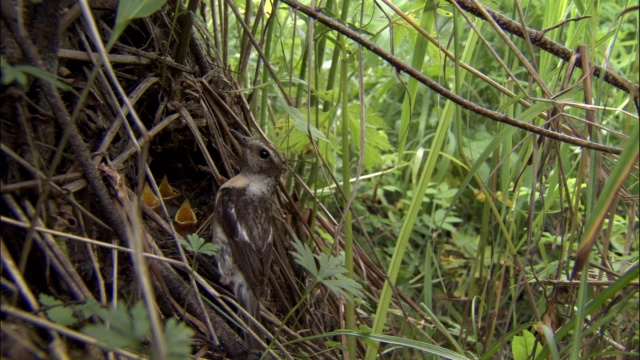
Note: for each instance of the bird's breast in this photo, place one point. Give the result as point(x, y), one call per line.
point(258, 189)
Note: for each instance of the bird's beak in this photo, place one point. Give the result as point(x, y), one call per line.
point(237, 135)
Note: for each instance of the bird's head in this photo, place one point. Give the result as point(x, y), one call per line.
point(259, 158)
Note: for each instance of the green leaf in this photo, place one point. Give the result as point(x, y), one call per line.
point(522, 346)
point(198, 245)
point(140, 325)
point(186, 244)
point(130, 10)
point(304, 256)
point(45, 76)
point(120, 320)
point(62, 315)
point(195, 241)
point(178, 339)
point(48, 300)
point(329, 266)
point(301, 124)
point(124, 328)
point(127, 328)
point(209, 249)
point(329, 270)
point(19, 74)
point(11, 74)
point(376, 140)
point(110, 338)
point(91, 308)
point(344, 286)
point(332, 344)
point(58, 313)
point(425, 347)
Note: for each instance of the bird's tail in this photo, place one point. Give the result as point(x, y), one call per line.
point(251, 303)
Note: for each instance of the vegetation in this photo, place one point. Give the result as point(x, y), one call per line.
point(453, 188)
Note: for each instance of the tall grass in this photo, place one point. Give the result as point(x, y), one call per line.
point(529, 207)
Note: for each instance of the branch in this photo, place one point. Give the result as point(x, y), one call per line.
point(62, 116)
point(537, 38)
point(437, 87)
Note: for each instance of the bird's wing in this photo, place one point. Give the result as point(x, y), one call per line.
point(247, 223)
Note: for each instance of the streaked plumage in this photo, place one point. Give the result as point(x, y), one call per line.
point(243, 224)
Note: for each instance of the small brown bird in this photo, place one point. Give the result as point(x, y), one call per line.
point(243, 225)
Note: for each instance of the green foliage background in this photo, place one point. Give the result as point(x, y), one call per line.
point(478, 221)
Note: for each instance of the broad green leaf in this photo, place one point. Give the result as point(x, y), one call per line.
point(131, 10)
point(522, 346)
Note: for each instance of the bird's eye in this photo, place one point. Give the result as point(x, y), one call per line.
point(264, 154)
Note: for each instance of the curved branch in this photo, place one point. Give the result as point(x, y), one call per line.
point(407, 69)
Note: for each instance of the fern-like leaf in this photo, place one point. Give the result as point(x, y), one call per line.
point(328, 270)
